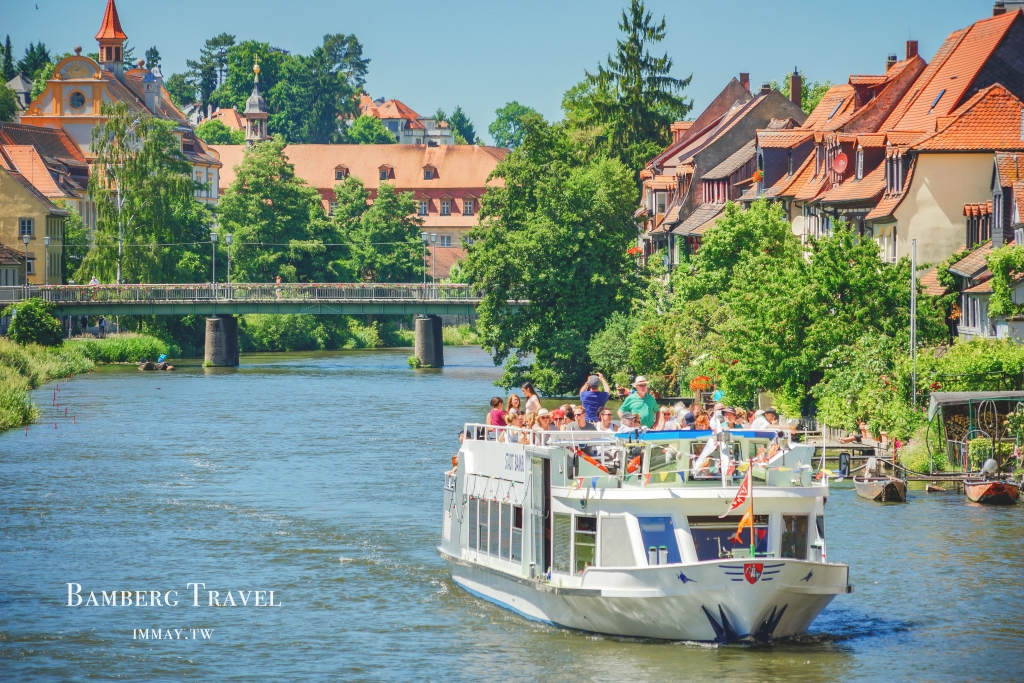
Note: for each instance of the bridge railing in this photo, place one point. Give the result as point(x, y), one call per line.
point(235, 292)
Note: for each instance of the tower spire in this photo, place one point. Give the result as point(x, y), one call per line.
point(111, 39)
point(255, 110)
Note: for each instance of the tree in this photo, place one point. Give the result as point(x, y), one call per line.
point(33, 322)
point(277, 220)
point(9, 71)
point(811, 92)
point(36, 57)
point(152, 57)
point(45, 74)
point(214, 132)
point(507, 129)
point(383, 240)
point(8, 103)
point(202, 76)
point(369, 130)
point(76, 240)
point(555, 234)
point(182, 92)
point(216, 51)
point(158, 217)
point(237, 85)
point(462, 126)
point(643, 98)
point(128, 57)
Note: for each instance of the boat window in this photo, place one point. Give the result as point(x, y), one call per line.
point(561, 542)
point(659, 536)
point(538, 521)
point(472, 523)
point(585, 543)
point(616, 547)
point(715, 538)
point(794, 536)
point(506, 530)
point(482, 527)
point(492, 534)
point(517, 533)
point(819, 521)
point(662, 459)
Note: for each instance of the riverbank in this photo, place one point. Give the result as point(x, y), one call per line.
point(25, 367)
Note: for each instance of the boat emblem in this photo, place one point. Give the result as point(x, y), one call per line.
point(752, 572)
point(686, 579)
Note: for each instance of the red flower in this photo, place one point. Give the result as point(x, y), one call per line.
point(633, 251)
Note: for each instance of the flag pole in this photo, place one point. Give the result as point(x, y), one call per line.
point(750, 473)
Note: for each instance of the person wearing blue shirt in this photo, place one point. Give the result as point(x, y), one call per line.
point(592, 399)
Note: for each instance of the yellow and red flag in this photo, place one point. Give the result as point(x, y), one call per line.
point(742, 494)
point(746, 521)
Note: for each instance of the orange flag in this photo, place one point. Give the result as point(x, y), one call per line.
point(746, 521)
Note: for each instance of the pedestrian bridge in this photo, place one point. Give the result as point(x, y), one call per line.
point(239, 298)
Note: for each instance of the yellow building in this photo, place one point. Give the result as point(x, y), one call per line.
point(27, 213)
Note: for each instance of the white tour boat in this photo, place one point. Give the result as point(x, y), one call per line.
point(623, 533)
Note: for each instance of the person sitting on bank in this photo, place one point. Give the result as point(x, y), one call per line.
point(640, 403)
point(592, 399)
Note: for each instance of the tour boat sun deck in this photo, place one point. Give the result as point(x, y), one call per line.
point(635, 534)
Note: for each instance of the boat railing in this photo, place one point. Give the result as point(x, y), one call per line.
point(530, 437)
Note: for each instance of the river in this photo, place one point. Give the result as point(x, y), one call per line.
point(319, 476)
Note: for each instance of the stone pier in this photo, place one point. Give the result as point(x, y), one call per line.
point(222, 341)
point(429, 342)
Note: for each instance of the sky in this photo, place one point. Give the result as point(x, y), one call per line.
point(482, 54)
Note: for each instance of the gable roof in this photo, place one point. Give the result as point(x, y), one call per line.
point(890, 203)
point(698, 222)
point(49, 206)
point(9, 257)
point(834, 109)
point(51, 142)
point(732, 163)
point(973, 264)
point(991, 120)
point(782, 138)
point(111, 27)
point(1008, 168)
point(930, 282)
point(852, 190)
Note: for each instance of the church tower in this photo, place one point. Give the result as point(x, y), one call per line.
point(112, 39)
point(255, 111)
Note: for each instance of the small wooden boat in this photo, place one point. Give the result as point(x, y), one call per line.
point(886, 489)
point(992, 491)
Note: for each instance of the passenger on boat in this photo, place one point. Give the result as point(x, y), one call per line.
point(496, 417)
point(514, 402)
point(532, 399)
point(716, 420)
point(544, 419)
point(630, 421)
point(640, 403)
point(689, 421)
point(579, 422)
point(515, 427)
point(729, 417)
point(662, 420)
point(741, 418)
point(605, 423)
point(557, 419)
point(700, 417)
point(769, 420)
point(592, 399)
point(529, 425)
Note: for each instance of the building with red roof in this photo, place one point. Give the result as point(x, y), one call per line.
point(408, 127)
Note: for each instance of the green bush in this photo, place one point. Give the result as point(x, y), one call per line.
point(461, 335)
point(25, 367)
point(32, 322)
point(915, 457)
point(124, 348)
point(263, 333)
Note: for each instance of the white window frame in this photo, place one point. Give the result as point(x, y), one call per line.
point(30, 223)
point(444, 240)
point(467, 207)
point(860, 164)
point(383, 174)
point(424, 208)
point(428, 174)
point(331, 208)
point(446, 207)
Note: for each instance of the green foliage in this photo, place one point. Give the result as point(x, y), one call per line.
point(261, 333)
point(977, 365)
point(414, 362)
point(507, 128)
point(237, 85)
point(383, 241)
point(152, 57)
point(916, 457)
point(8, 103)
point(76, 239)
point(633, 96)
point(181, 90)
point(1006, 263)
point(33, 322)
point(369, 130)
point(44, 74)
point(124, 348)
point(462, 126)
point(160, 217)
point(811, 92)
point(35, 59)
point(555, 234)
point(610, 348)
point(214, 132)
point(7, 65)
point(25, 367)
point(461, 335)
point(278, 222)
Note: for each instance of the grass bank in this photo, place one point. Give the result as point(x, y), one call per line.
point(124, 348)
point(23, 368)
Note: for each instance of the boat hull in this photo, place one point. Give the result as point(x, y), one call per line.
point(704, 602)
point(992, 492)
point(883, 489)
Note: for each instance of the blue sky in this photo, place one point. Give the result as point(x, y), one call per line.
point(482, 54)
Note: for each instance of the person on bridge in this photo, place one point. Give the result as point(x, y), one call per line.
point(277, 286)
point(592, 399)
point(94, 281)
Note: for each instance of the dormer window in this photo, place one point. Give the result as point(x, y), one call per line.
point(429, 172)
point(423, 208)
point(467, 206)
point(340, 172)
point(860, 164)
point(385, 172)
point(446, 207)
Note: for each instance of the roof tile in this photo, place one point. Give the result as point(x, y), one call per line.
point(991, 120)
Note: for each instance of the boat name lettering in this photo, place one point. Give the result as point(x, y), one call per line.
point(515, 462)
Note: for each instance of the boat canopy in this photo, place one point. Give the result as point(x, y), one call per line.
point(940, 399)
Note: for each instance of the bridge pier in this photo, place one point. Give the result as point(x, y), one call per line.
point(221, 341)
point(429, 342)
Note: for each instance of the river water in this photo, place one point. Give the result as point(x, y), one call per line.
point(319, 476)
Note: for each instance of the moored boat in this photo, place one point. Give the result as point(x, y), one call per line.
point(992, 491)
point(883, 488)
point(624, 534)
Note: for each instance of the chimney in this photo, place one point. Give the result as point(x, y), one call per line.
point(998, 8)
point(890, 61)
point(745, 81)
point(796, 88)
point(911, 49)
point(765, 89)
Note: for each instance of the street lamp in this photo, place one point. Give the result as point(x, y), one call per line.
point(227, 241)
point(46, 260)
point(25, 238)
point(213, 252)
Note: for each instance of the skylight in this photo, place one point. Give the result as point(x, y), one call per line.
point(839, 104)
point(937, 98)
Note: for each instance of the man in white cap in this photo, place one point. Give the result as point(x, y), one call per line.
point(640, 403)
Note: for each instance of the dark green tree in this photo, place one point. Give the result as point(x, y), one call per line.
point(202, 76)
point(76, 240)
point(128, 57)
point(369, 130)
point(237, 85)
point(556, 234)
point(278, 221)
point(214, 132)
point(152, 57)
point(634, 96)
point(33, 322)
point(35, 58)
point(216, 51)
point(8, 103)
point(181, 90)
point(507, 129)
point(461, 124)
point(157, 214)
point(45, 74)
point(382, 241)
point(8, 68)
